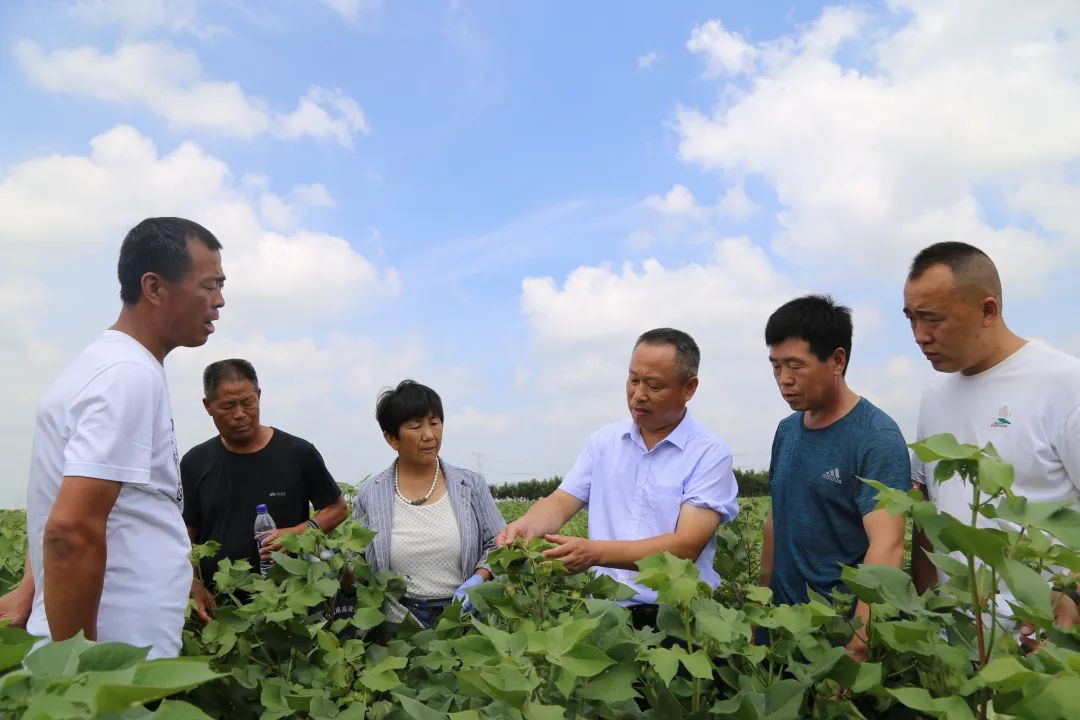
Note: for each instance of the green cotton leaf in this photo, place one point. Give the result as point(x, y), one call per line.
point(152, 681)
point(177, 710)
point(326, 587)
point(948, 564)
point(366, 618)
point(697, 664)
point(759, 594)
point(883, 583)
point(565, 683)
point(583, 660)
point(664, 661)
point(328, 641)
point(380, 681)
point(858, 677)
point(995, 475)
point(51, 707)
point(867, 677)
point(57, 658)
point(660, 569)
point(948, 469)
point(793, 618)
point(499, 639)
point(465, 715)
point(292, 565)
point(507, 683)
point(1029, 587)
point(416, 709)
point(110, 656)
point(943, 447)
point(680, 592)
point(744, 706)
point(174, 673)
point(720, 629)
point(1003, 674)
point(303, 599)
point(280, 616)
point(536, 711)
point(1050, 701)
point(15, 643)
point(897, 502)
point(821, 667)
point(474, 649)
point(784, 700)
point(204, 550)
point(986, 544)
point(566, 636)
point(1055, 518)
point(953, 707)
point(615, 685)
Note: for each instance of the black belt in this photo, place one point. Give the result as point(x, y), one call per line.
point(426, 602)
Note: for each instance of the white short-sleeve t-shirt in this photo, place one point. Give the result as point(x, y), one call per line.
point(108, 416)
point(1028, 406)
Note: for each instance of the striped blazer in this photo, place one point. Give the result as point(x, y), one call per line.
point(478, 517)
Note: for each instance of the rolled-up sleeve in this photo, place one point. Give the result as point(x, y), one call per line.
point(578, 482)
point(712, 484)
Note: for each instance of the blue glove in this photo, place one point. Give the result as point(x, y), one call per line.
point(461, 594)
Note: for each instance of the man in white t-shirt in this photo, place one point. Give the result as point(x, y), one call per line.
point(107, 545)
point(995, 386)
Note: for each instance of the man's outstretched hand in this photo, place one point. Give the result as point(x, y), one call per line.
point(520, 528)
point(578, 554)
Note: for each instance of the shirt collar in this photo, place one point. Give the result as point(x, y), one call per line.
point(678, 437)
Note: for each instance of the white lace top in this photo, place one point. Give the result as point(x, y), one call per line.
point(425, 548)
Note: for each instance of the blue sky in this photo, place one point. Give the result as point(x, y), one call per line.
point(497, 197)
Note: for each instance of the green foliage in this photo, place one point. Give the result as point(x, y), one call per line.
point(752, 483)
point(526, 490)
point(281, 653)
point(12, 548)
point(80, 679)
point(543, 644)
point(578, 526)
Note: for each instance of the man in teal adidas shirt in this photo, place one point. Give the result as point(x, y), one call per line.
point(822, 514)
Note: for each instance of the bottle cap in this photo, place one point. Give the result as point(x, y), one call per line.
point(260, 508)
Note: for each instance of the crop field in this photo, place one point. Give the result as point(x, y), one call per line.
point(540, 644)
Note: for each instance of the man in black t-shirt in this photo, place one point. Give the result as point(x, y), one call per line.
point(246, 465)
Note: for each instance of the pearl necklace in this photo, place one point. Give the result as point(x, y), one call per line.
point(431, 489)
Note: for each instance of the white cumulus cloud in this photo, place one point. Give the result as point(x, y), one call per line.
point(65, 217)
point(168, 81)
point(870, 163)
point(727, 52)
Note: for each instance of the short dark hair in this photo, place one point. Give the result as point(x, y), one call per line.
point(227, 371)
point(408, 401)
point(818, 319)
point(158, 245)
point(687, 354)
point(972, 268)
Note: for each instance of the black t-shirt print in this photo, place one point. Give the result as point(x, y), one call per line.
point(222, 489)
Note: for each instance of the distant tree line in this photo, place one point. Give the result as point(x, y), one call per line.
point(752, 483)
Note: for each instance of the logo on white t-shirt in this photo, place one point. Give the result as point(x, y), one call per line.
point(831, 475)
point(1003, 418)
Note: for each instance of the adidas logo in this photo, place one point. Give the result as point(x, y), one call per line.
point(831, 475)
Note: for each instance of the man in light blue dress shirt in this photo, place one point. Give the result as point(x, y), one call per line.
point(653, 482)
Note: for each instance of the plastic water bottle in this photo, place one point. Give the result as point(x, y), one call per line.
point(264, 525)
